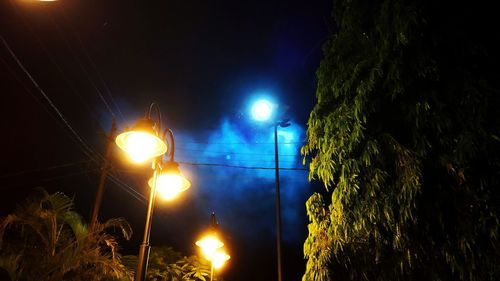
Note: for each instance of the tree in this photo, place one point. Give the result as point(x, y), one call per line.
point(405, 138)
point(44, 239)
point(165, 264)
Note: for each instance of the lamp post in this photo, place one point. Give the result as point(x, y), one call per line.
point(262, 111)
point(144, 143)
point(211, 245)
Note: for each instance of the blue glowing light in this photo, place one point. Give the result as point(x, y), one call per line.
point(262, 110)
point(286, 137)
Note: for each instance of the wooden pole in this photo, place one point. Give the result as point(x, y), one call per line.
point(104, 174)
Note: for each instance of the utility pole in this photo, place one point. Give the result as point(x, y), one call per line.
point(283, 124)
point(104, 174)
point(278, 204)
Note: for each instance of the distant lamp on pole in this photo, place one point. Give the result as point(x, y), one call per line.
point(143, 143)
point(211, 247)
point(262, 111)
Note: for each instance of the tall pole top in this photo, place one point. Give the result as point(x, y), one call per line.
point(213, 221)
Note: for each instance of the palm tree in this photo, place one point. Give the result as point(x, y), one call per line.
point(46, 240)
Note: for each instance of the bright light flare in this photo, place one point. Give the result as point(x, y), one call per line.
point(219, 258)
point(141, 146)
point(209, 246)
point(262, 110)
point(169, 186)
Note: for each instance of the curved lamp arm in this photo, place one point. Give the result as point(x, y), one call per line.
point(283, 123)
point(172, 142)
point(158, 116)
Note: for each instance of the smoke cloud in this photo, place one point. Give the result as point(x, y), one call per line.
point(232, 169)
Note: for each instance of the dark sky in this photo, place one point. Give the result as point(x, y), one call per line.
point(203, 62)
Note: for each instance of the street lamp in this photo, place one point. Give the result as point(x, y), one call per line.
point(262, 110)
point(211, 245)
point(170, 182)
point(143, 143)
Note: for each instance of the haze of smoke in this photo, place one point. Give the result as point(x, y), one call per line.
point(244, 198)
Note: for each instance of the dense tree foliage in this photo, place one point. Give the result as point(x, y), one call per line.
point(45, 240)
point(405, 136)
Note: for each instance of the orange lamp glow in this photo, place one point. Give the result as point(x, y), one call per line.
point(170, 185)
point(219, 258)
point(141, 143)
point(209, 245)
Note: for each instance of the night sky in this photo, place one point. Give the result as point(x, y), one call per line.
point(203, 63)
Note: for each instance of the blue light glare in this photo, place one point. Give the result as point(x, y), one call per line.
point(287, 137)
point(240, 195)
point(262, 110)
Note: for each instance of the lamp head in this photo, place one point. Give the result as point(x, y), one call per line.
point(170, 182)
point(262, 110)
point(210, 242)
point(209, 245)
point(284, 123)
point(141, 143)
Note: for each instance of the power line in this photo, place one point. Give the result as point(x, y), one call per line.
point(86, 149)
point(79, 62)
point(236, 160)
point(235, 153)
point(226, 166)
point(92, 63)
point(248, 143)
point(86, 73)
point(44, 169)
point(241, 167)
point(52, 60)
point(130, 190)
